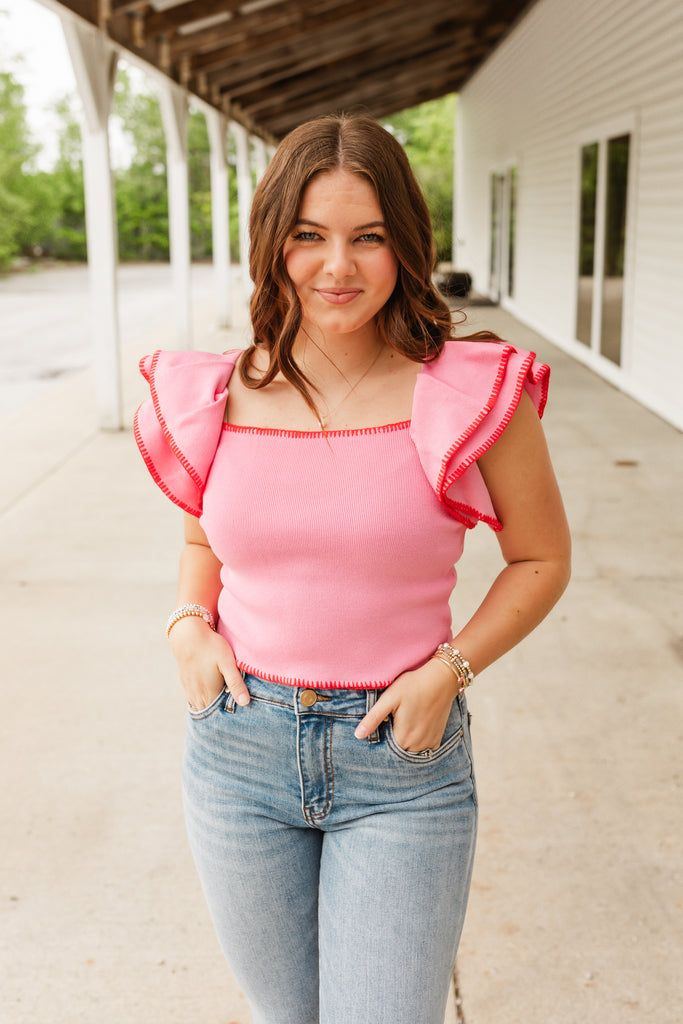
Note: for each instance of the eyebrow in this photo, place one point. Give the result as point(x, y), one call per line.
point(359, 227)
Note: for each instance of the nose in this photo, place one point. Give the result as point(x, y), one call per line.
point(339, 261)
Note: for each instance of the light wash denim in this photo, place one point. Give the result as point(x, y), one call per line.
point(336, 870)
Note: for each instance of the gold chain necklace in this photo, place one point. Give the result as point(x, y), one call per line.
point(323, 422)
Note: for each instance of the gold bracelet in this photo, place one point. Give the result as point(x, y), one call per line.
point(451, 656)
point(461, 687)
point(458, 660)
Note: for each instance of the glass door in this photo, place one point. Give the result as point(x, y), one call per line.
point(603, 211)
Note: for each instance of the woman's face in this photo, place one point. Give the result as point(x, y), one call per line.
point(339, 242)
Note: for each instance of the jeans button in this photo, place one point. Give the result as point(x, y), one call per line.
point(308, 697)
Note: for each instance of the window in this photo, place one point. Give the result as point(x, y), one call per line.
point(589, 184)
point(602, 245)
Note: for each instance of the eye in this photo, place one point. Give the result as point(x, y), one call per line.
point(305, 236)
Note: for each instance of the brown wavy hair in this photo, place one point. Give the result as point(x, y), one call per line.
point(415, 320)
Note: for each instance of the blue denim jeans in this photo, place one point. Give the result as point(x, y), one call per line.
point(336, 870)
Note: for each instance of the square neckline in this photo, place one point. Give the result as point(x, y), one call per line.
point(380, 428)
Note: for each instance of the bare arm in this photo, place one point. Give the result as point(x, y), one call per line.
point(536, 545)
point(205, 659)
point(199, 571)
point(535, 541)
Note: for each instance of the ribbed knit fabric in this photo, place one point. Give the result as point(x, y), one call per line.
point(338, 550)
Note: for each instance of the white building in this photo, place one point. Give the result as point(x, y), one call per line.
point(569, 186)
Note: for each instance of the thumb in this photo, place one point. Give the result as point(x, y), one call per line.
point(378, 713)
point(235, 683)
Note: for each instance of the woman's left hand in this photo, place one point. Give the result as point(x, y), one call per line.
point(421, 702)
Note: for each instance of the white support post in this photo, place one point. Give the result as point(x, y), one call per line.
point(217, 127)
point(94, 63)
point(173, 103)
point(244, 189)
point(260, 157)
point(458, 164)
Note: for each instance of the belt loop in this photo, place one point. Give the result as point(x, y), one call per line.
point(370, 701)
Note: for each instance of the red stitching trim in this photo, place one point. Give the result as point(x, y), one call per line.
point(444, 482)
point(295, 681)
point(488, 405)
point(184, 462)
point(153, 470)
point(488, 441)
point(141, 367)
point(456, 507)
point(284, 432)
point(543, 376)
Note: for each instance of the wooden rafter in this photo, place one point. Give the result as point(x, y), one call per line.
point(320, 48)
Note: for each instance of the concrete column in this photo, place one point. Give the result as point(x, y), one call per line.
point(94, 63)
point(244, 193)
point(173, 103)
point(217, 127)
point(260, 157)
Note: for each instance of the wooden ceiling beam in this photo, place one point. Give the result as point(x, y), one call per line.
point(320, 51)
point(428, 57)
point(125, 6)
point(369, 90)
point(394, 104)
point(170, 19)
point(292, 24)
point(390, 102)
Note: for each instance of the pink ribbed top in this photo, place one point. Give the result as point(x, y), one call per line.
point(338, 550)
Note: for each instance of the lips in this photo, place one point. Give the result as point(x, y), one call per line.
point(338, 296)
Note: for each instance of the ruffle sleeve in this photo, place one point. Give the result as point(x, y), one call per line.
point(463, 401)
point(177, 429)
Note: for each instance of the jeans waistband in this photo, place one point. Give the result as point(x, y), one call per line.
point(319, 700)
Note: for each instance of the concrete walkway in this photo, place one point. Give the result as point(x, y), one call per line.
point(574, 914)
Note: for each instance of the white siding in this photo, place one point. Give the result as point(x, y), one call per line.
point(565, 71)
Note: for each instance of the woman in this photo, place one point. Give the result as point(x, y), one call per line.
point(328, 780)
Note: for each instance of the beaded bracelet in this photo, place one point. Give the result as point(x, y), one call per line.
point(189, 609)
point(452, 657)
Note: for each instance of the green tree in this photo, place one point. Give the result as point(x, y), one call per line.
point(426, 134)
point(17, 158)
point(199, 177)
point(66, 239)
point(141, 191)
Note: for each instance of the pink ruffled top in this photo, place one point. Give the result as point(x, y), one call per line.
point(338, 549)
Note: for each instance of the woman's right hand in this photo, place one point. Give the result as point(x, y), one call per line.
point(206, 663)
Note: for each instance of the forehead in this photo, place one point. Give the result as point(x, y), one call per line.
point(336, 190)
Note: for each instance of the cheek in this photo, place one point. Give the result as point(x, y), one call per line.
point(384, 271)
point(299, 264)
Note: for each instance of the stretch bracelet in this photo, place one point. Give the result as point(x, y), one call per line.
point(189, 609)
point(452, 657)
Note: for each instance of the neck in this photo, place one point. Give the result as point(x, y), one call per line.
point(351, 354)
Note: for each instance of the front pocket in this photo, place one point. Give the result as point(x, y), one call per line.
point(453, 734)
point(198, 713)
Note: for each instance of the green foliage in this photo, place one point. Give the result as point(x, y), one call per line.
point(199, 174)
point(141, 188)
point(426, 134)
point(65, 237)
point(17, 153)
